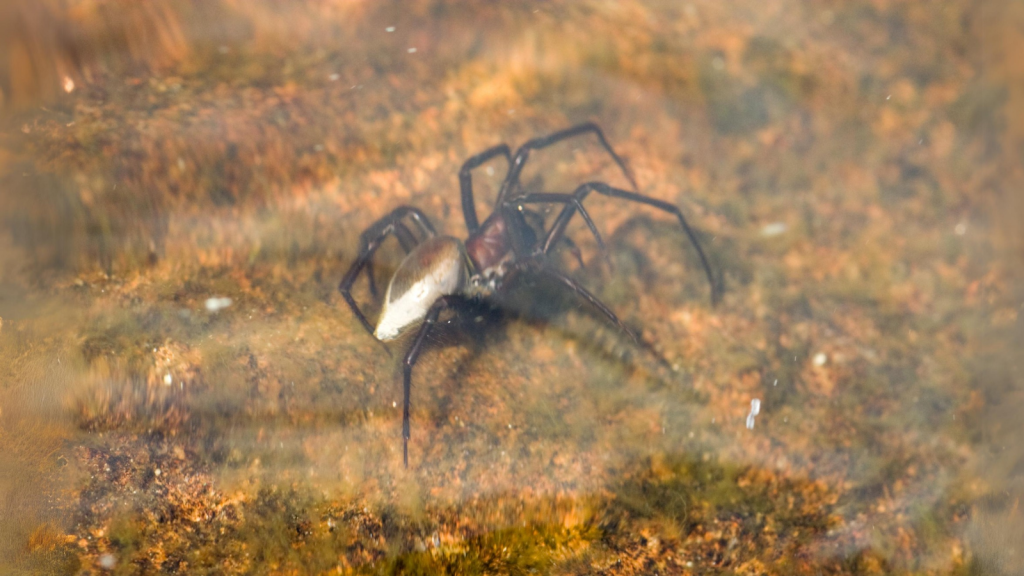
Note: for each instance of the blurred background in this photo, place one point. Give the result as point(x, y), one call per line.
point(183, 391)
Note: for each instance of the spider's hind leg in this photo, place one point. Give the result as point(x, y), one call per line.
point(371, 239)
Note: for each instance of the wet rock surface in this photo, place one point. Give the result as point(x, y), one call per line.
point(183, 391)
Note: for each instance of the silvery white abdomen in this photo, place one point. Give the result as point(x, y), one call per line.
point(437, 267)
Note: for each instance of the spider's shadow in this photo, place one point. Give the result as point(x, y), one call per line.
point(628, 247)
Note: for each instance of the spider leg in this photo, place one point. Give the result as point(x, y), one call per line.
point(539, 198)
point(411, 356)
point(558, 228)
point(536, 266)
point(405, 239)
point(370, 240)
point(512, 178)
point(538, 224)
point(466, 182)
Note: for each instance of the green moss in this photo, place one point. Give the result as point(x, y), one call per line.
point(533, 549)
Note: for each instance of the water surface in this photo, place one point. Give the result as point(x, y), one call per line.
point(182, 389)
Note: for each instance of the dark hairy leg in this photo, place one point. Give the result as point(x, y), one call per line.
point(411, 356)
point(523, 153)
point(542, 198)
point(466, 182)
point(406, 240)
point(558, 227)
point(537, 222)
point(370, 240)
point(535, 266)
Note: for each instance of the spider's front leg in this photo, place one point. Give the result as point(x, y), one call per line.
point(535, 264)
point(466, 182)
point(558, 228)
point(508, 188)
point(370, 240)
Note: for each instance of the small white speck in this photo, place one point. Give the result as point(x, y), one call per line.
point(489, 170)
point(217, 303)
point(820, 358)
point(960, 229)
point(776, 383)
point(509, 426)
point(108, 561)
point(394, 404)
point(889, 96)
point(69, 84)
point(168, 379)
point(412, 50)
point(389, 29)
point(157, 472)
point(755, 409)
point(334, 77)
point(774, 229)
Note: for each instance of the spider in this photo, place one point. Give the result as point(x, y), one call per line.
point(442, 272)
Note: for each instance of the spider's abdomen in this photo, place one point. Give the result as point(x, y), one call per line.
point(437, 267)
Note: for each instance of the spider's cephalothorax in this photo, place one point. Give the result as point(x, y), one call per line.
point(440, 271)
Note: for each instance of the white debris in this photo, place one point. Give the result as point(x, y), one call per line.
point(820, 358)
point(69, 84)
point(108, 561)
point(755, 409)
point(217, 303)
point(389, 29)
point(412, 50)
point(334, 77)
point(774, 229)
point(168, 379)
point(960, 229)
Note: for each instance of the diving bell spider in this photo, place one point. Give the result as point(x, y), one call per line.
point(441, 272)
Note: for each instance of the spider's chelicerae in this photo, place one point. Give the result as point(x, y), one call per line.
point(441, 272)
